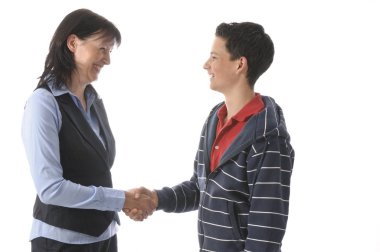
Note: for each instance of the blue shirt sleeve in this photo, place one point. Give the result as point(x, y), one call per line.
point(40, 128)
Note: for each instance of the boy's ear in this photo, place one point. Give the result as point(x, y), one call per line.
point(242, 63)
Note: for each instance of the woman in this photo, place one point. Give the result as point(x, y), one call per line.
point(69, 143)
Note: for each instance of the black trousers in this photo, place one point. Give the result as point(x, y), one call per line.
point(42, 244)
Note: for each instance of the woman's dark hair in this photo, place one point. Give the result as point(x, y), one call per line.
point(248, 40)
point(59, 63)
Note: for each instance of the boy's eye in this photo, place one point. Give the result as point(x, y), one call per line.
point(104, 49)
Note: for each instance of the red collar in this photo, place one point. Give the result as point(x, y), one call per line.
point(251, 108)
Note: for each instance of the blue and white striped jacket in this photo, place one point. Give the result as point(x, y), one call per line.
point(242, 205)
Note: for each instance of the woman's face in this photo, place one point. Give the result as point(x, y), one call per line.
point(90, 55)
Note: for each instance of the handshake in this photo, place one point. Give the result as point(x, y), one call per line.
point(140, 203)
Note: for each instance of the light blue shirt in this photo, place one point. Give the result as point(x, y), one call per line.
point(41, 124)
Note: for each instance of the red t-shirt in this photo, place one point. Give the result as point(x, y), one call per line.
point(226, 133)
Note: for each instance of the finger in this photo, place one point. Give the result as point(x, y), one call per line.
point(145, 215)
point(138, 218)
point(132, 213)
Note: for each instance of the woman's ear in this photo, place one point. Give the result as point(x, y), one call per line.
point(71, 42)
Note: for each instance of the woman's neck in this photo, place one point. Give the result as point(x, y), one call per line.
point(78, 90)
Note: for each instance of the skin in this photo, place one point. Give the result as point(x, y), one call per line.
point(90, 55)
point(139, 214)
point(228, 77)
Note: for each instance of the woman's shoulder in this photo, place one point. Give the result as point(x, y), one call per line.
point(41, 99)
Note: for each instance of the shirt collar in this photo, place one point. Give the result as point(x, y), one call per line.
point(62, 89)
point(251, 108)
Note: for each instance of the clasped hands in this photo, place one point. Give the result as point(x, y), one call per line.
point(140, 203)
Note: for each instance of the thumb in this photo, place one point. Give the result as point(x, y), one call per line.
point(145, 191)
point(137, 195)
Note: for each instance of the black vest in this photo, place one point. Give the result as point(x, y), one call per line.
point(84, 161)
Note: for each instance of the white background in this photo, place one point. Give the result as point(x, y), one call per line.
point(324, 76)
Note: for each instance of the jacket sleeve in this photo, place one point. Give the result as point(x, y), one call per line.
point(269, 172)
point(183, 197)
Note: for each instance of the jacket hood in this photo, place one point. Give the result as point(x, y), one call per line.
point(270, 121)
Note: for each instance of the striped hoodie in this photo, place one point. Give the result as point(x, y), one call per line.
point(243, 205)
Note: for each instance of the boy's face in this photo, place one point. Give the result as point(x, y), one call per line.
point(220, 67)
